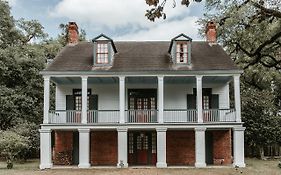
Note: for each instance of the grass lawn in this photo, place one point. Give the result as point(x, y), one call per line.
point(254, 167)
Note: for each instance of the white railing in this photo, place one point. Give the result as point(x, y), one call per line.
point(180, 115)
point(64, 116)
point(141, 116)
point(103, 116)
point(219, 115)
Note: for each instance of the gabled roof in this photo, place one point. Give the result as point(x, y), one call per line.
point(103, 35)
point(187, 38)
point(145, 56)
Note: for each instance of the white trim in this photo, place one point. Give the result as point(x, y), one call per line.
point(122, 161)
point(237, 97)
point(199, 83)
point(84, 80)
point(148, 73)
point(84, 148)
point(160, 93)
point(122, 100)
point(46, 99)
point(45, 149)
point(238, 146)
point(161, 147)
point(145, 126)
point(200, 152)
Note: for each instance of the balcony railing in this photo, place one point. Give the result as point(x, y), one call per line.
point(64, 116)
point(180, 115)
point(141, 116)
point(219, 115)
point(103, 116)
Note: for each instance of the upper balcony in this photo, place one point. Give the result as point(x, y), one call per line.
point(143, 100)
point(142, 116)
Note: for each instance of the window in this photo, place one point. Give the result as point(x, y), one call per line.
point(205, 102)
point(182, 52)
point(102, 53)
point(78, 99)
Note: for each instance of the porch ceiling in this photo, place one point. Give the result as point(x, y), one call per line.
point(142, 80)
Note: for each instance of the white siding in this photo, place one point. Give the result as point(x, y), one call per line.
point(174, 94)
point(108, 95)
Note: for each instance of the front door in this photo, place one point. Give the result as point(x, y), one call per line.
point(142, 105)
point(142, 148)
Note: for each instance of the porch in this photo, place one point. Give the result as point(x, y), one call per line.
point(130, 146)
point(148, 99)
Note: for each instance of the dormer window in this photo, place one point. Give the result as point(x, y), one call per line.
point(104, 50)
point(180, 49)
point(102, 53)
point(182, 53)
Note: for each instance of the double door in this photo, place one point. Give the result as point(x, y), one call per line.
point(142, 148)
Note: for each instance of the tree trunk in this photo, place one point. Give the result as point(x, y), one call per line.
point(261, 152)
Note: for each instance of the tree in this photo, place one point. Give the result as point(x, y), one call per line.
point(261, 120)
point(157, 10)
point(250, 30)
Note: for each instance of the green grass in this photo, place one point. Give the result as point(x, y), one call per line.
point(254, 167)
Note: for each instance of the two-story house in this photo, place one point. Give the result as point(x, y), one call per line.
point(149, 103)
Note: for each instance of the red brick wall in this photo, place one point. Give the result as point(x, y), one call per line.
point(63, 147)
point(222, 147)
point(180, 148)
point(104, 147)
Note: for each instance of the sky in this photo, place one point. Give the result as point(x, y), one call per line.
point(118, 19)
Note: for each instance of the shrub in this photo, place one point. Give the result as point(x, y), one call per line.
point(11, 144)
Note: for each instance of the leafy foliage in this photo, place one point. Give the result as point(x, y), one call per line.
point(157, 11)
point(11, 144)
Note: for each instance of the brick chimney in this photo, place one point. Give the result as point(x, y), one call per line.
point(211, 32)
point(73, 34)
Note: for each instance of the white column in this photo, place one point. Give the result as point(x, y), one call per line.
point(161, 148)
point(84, 99)
point(45, 149)
point(199, 98)
point(122, 147)
point(46, 99)
point(238, 146)
point(84, 148)
point(237, 97)
point(160, 99)
point(200, 152)
point(122, 99)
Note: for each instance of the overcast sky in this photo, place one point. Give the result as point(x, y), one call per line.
point(119, 19)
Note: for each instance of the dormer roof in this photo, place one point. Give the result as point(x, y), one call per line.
point(180, 37)
point(103, 37)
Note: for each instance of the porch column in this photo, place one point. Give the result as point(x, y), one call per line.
point(46, 99)
point(161, 148)
point(238, 146)
point(45, 149)
point(200, 153)
point(84, 99)
point(84, 148)
point(122, 99)
point(122, 147)
point(199, 98)
point(237, 97)
point(160, 99)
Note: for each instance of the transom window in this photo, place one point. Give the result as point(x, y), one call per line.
point(102, 53)
point(182, 53)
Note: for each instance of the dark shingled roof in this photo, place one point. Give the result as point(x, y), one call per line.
point(134, 56)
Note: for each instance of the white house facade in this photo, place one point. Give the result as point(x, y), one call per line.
point(157, 103)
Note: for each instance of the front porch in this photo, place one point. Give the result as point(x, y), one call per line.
point(161, 147)
point(117, 100)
